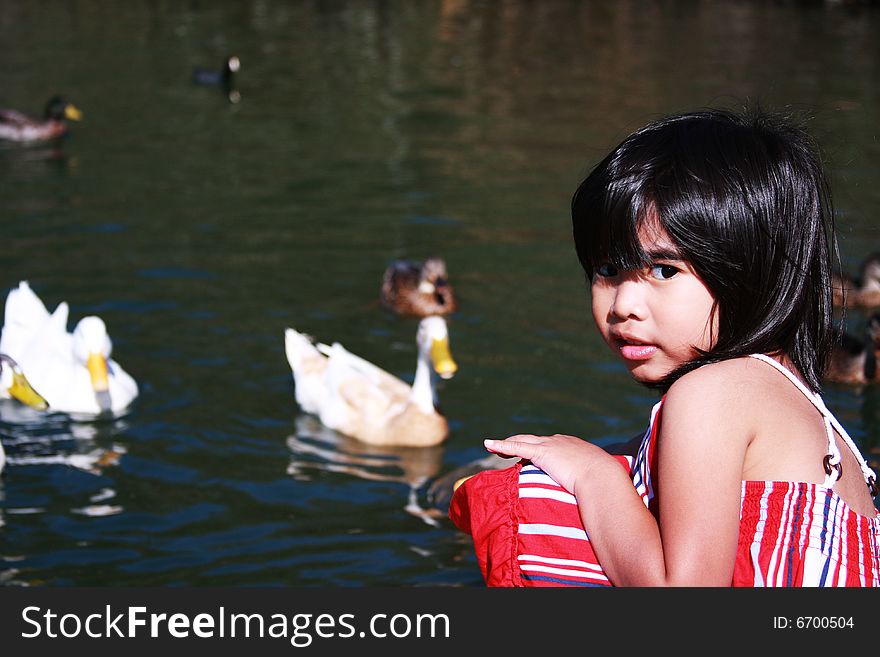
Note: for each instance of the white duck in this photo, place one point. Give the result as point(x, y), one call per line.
point(357, 398)
point(72, 371)
point(16, 386)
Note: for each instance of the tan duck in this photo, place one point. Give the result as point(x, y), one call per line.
point(361, 400)
point(860, 292)
point(853, 360)
point(418, 289)
point(17, 126)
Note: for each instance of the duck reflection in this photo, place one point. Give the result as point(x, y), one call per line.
point(440, 491)
point(15, 156)
point(32, 437)
point(315, 447)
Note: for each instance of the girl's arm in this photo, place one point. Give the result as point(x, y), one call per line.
point(623, 532)
point(705, 429)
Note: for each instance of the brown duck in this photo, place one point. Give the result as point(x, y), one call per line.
point(854, 360)
point(860, 292)
point(418, 289)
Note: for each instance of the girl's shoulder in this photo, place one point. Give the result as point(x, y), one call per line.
point(734, 377)
point(730, 389)
point(710, 416)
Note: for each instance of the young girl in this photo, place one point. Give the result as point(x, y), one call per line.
point(705, 238)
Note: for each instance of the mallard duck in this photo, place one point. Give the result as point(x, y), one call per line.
point(361, 400)
point(854, 360)
point(73, 371)
point(224, 77)
point(16, 126)
point(860, 292)
point(16, 386)
point(418, 289)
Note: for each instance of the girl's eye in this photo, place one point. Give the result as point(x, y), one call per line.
point(606, 270)
point(664, 272)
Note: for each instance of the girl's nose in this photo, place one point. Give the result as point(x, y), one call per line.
point(629, 299)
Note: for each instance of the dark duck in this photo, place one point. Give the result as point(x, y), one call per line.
point(862, 291)
point(418, 289)
point(20, 127)
point(224, 77)
point(854, 360)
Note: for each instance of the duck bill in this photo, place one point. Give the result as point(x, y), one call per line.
point(72, 113)
point(444, 365)
point(97, 366)
point(24, 392)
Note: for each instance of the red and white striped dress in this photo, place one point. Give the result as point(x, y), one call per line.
point(527, 529)
point(802, 534)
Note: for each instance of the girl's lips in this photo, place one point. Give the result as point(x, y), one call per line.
point(637, 351)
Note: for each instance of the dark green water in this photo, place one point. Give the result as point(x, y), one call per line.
point(200, 229)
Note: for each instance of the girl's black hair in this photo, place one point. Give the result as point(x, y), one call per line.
point(745, 200)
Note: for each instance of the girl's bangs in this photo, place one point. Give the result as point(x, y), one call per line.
point(611, 229)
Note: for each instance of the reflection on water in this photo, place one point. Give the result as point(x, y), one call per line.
point(31, 438)
point(94, 460)
point(13, 156)
point(315, 447)
point(440, 491)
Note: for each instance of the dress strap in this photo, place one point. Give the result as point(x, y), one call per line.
point(833, 469)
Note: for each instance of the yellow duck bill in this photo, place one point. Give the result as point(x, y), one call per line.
point(72, 113)
point(21, 389)
point(25, 393)
point(444, 365)
point(97, 366)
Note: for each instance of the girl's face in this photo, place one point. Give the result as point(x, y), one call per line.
point(655, 317)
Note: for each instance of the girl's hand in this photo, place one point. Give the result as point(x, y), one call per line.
point(565, 458)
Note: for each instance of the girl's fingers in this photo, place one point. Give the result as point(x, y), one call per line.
point(527, 438)
point(522, 438)
point(512, 447)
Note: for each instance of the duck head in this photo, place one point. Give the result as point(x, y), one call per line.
point(92, 347)
point(433, 341)
point(434, 271)
point(14, 382)
point(872, 346)
point(58, 109)
point(872, 331)
point(870, 275)
point(432, 275)
point(434, 281)
point(231, 65)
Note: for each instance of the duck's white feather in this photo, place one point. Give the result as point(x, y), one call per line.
point(24, 315)
point(359, 399)
point(47, 354)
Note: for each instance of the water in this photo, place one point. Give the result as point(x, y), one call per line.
point(199, 229)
